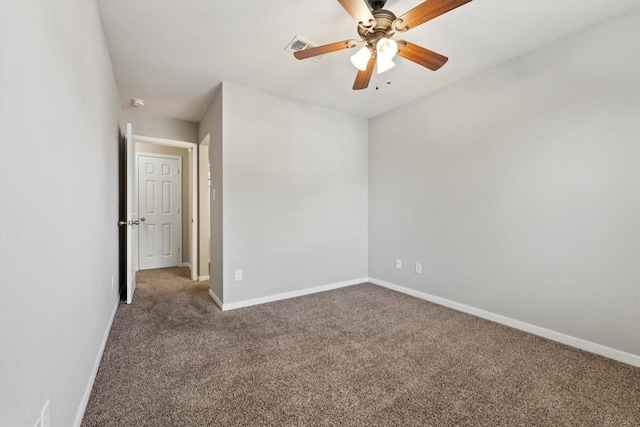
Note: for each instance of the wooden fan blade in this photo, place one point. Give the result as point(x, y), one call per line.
point(420, 55)
point(363, 77)
point(327, 48)
point(358, 10)
point(426, 11)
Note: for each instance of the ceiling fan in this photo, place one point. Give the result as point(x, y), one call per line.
point(376, 26)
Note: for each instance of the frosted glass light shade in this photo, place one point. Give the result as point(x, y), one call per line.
point(384, 64)
point(386, 48)
point(361, 58)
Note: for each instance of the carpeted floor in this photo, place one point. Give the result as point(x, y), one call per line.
point(361, 355)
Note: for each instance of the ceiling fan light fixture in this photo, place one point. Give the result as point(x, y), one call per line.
point(361, 58)
point(375, 27)
point(384, 64)
point(386, 48)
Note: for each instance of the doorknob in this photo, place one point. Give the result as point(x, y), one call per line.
point(142, 219)
point(123, 223)
point(136, 222)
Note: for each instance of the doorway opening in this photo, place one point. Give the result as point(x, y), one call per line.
point(166, 194)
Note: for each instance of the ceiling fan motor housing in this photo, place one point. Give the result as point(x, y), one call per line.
point(381, 29)
point(377, 4)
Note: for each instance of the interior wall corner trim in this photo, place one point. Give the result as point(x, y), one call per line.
point(215, 298)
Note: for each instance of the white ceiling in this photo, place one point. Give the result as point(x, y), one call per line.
point(174, 53)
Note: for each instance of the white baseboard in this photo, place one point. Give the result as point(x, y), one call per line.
point(216, 299)
point(94, 372)
point(186, 264)
point(589, 346)
point(287, 295)
point(201, 278)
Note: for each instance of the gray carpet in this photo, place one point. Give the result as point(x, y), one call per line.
point(361, 355)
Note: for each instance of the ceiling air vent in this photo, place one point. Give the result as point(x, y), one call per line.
point(298, 44)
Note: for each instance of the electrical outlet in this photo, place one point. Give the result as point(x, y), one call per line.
point(398, 264)
point(238, 275)
point(418, 268)
point(45, 421)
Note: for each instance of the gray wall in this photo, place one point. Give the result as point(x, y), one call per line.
point(144, 147)
point(295, 195)
point(518, 188)
point(58, 206)
point(211, 124)
point(160, 127)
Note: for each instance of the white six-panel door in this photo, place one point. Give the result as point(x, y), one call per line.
point(159, 202)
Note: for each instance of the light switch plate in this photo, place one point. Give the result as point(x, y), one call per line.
point(399, 264)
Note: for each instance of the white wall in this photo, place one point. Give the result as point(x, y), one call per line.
point(211, 124)
point(58, 206)
point(295, 195)
point(518, 189)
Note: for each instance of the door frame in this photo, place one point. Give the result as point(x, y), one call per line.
point(192, 148)
point(137, 200)
point(204, 197)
